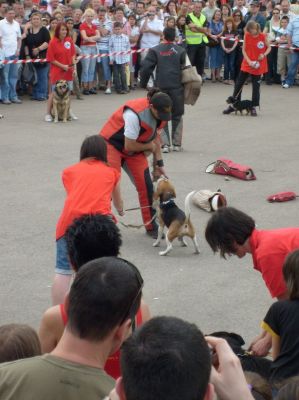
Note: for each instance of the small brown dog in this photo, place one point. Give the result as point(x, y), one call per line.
point(61, 102)
point(177, 221)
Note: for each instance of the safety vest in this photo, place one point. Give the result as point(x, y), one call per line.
point(113, 130)
point(196, 37)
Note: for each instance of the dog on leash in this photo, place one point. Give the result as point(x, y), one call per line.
point(170, 215)
point(61, 102)
point(240, 105)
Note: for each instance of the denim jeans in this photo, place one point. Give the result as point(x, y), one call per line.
point(9, 81)
point(119, 75)
point(40, 90)
point(229, 65)
point(105, 66)
point(88, 64)
point(293, 68)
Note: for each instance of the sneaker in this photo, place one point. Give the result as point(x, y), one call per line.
point(48, 118)
point(73, 116)
point(16, 101)
point(229, 110)
point(286, 86)
point(253, 112)
point(108, 91)
point(6, 102)
point(86, 92)
point(177, 148)
point(165, 149)
point(92, 91)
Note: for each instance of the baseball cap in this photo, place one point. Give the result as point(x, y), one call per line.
point(255, 3)
point(163, 104)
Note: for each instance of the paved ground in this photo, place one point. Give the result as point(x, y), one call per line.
point(216, 294)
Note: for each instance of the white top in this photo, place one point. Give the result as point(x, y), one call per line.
point(132, 125)
point(243, 10)
point(149, 40)
point(9, 34)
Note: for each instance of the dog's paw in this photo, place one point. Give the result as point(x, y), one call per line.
point(197, 251)
point(64, 121)
point(55, 121)
point(163, 253)
point(156, 244)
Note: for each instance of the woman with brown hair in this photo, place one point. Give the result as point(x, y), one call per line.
point(229, 42)
point(240, 25)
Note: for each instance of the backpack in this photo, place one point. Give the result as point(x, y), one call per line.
point(28, 74)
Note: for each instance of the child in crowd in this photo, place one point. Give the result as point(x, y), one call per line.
point(282, 322)
point(229, 43)
point(119, 42)
point(181, 25)
point(283, 54)
point(170, 22)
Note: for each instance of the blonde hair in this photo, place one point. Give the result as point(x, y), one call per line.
point(89, 12)
point(252, 25)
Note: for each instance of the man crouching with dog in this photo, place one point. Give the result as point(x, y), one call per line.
point(62, 57)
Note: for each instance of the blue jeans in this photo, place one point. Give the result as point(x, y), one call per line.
point(40, 90)
point(216, 57)
point(293, 68)
point(63, 266)
point(88, 64)
point(9, 81)
point(105, 65)
point(229, 66)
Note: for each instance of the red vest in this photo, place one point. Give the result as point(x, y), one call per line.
point(113, 130)
point(254, 46)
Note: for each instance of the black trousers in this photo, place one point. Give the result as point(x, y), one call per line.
point(120, 79)
point(256, 81)
point(178, 108)
point(197, 54)
point(272, 75)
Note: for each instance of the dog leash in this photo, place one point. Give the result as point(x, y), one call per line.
point(136, 208)
point(138, 226)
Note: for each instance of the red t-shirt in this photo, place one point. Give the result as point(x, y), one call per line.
point(90, 31)
point(63, 52)
point(254, 46)
point(89, 185)
point(269, 250)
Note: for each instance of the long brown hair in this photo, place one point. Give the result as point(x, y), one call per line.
point(229, 19)
point(94, 147)
point(291, 274)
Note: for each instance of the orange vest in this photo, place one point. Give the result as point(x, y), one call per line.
point(113, 130)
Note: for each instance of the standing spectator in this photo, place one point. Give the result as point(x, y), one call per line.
point(77, 15)
point(89, 37)
point(283, 54)
point(226, 11)
point(255, 50)
point(229, 43)
point(140, 10)
point(240, 25)
point(181, 25)
point(52, 6)
point(3, 8)
point(215, 52)
point(255, 15)
point(271, 28)
point(293, 41)
point(184, 9)
point(52, 27)
point(285, 10)
point(171, 9)
point(169, 59)
point(104, 26)
point(240, 7)
point(36, 43)
point(61, 56)
point(209, 10)
point(119, 42)
point(196, 39)
point(10, 43)
point(134, 38)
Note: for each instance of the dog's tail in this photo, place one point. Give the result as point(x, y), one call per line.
point(187, 204)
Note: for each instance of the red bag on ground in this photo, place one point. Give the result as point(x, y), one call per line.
point(227, 167)
point(281, 197)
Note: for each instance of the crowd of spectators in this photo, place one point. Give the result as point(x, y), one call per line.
point(32, 29)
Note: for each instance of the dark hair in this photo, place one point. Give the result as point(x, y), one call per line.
point(117, 25)
point(227, 226)
point(94, 146)
point(167, 6)
point(291, 274)
point(152, 91)
point(18, 341)
point(102, 9)
point(228, 7)
point(169, 34)
point(285, 17)
point(120, 9)
point(167, 358)
point(140, 2)
point(58, 28)
point(239, 13)
point(105, 293)
point(290, 390)
point(92, 236)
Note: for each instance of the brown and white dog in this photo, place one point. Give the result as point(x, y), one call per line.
point(170, 215)
point(61, 102)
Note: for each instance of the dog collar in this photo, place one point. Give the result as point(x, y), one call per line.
point(169, 202)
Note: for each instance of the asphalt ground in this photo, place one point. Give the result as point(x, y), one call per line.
point(214, 293)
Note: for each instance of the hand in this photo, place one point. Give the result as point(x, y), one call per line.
point(35, 51)
point(65, 67)
point(111, 63)
point(261, 346)
point(17, 53)
point(227, 376)
point(161, 171)
point(261, 57)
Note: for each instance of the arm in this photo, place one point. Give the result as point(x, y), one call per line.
point(19, 42)
point(275, 347)
point(147, 67)
point(262, 56)
point(145, 311)
point(117, 199)
point(85, 37)
point(48, 330)
point(111, 49)
point(244, 52)
point(261, 345)
point(133, 145)
point(131, 133)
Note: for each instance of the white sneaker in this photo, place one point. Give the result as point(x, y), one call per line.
point(177, 148)
point(73, 116)
point(108, 91)
point(286, 86)
point(48, 118)
point(165, 149)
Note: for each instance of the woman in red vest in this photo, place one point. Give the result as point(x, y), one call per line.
point(255, 50)
point(131, 133)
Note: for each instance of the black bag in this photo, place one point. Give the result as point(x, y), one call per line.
point(28, 74)
point(212, 42)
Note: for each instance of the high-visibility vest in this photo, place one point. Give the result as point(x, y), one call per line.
point(196, 37)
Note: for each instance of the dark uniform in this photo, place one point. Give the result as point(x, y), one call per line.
point(168, 58)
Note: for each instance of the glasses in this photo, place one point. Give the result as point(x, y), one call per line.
point(276, 13)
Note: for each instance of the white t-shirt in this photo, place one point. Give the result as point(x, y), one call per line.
point(243, 10)
point(9, 34)
point(149, 40)
point(132, 125)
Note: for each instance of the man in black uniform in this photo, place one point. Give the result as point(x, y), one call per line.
point(168, 58)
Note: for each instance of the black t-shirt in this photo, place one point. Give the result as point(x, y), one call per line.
point(34, 40)
point(283, 320)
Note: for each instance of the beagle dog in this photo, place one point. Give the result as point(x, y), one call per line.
point(169, 214)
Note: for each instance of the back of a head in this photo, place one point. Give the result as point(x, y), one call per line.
point(167, 358)
point(105, 292)
point(92, 236)
point(227, 226)
point(169, 34)
point(18, 341)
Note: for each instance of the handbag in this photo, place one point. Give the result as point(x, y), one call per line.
point(281, 197)
point(192, 83)
point(28, 74)
point(212, 42)
point(224, 166)
point(208, 200)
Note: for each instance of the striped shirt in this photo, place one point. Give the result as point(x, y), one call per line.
point(103, 43)
point(119, 43)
